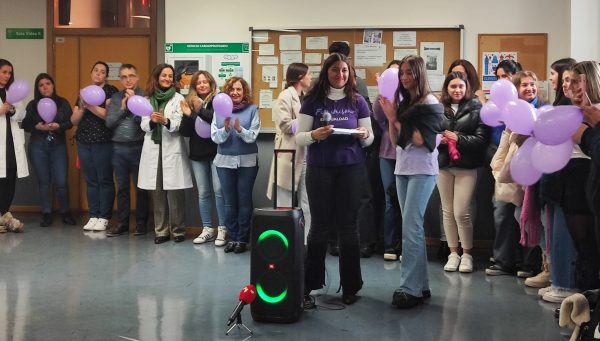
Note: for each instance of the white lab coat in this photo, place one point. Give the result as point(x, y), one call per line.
point(175, 162)
point(18, 140)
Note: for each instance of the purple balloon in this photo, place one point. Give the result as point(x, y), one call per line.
point(490, 114)
point(555, 125)
point(47, 109)
point(202, 128)
point(294, 126)
point(388, 83)
point(550, 159)
point(503, 92)
point(521, 167)
point(93, 94)
point(519, 116)
point(17, 91)
point(223, 105)
point(139, 106)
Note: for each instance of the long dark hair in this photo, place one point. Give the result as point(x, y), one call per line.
point(470, 70)
point(509, 66)
point(37, 95)
point(321, 89)
point(4, 62)
point(152, 86)
point(417, 67)
point(560, 66)
point(445, 98)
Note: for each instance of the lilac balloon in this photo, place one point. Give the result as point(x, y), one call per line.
point(490, 114)
point(556, 125)
point(139, 106)
point(47, 109)
point(93, 94)
point(294, 126)
point(519, 116)
point(223, 105)
point(388, 83)
point(502, 92)
point(17, 91)
point(521, 167)
point(550, 159)
point(202, 128)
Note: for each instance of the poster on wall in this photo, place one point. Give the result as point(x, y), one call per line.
point(433, 55)
point(222, 60)
point(489, 62)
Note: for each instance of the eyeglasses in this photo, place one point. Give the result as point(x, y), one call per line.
point(126, 77)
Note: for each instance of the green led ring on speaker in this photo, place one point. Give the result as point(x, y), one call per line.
point(273, 233)
point(270, 299)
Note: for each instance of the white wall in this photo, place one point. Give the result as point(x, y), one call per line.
point(28, 56)
point(585, 29)
point(195, 21)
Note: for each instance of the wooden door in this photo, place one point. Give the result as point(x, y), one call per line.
point(74, 57)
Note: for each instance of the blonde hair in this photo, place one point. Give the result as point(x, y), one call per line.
point(591, 70)
point(516, 79)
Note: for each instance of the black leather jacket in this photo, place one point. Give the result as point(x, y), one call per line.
point(473, 136)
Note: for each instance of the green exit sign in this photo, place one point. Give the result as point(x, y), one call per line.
point(24, 33)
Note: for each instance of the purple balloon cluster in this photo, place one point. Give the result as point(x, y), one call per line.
point(549, 148)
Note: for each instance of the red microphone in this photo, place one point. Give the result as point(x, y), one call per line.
point(247, 295)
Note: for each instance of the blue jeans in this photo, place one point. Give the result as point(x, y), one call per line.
point(96, 164)
point(563, 254)
point(208, 184)
point(237, 187)
point(126, 163)
point(50, 163)
point(390, 232)
point(413, 194)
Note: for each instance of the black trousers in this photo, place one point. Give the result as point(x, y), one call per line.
point(7, 189)
point(334, 196)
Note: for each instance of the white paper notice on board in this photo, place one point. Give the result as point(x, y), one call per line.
point(290, 42)
point(369, 54)
point(312, 58)
point(401, 53)
point(436, 82)
point(404, 38)
point(373, 92)
point(315, 70)
point(317, 43)
point(433, 55)
point(260, 36)
point(361, 73)
point(269, 73)
point(265, 99)
point(267, 60)
point(266, 49)
point(289, 57)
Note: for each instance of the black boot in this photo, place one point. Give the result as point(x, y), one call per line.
point(68, 219)
point(46, 220)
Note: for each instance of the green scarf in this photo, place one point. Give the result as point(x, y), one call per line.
point(159, 100)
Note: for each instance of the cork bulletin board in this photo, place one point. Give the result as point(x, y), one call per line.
point(273, 49)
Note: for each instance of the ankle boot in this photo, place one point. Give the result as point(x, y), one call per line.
point(542, 279)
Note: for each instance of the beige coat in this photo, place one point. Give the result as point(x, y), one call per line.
point(18, 139)
point(506, 189)
point(287, 108)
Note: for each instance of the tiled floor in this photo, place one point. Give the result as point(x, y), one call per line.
point(59, 283)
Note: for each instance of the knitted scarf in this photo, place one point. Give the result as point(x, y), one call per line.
point(159, 100)
point(531, 222)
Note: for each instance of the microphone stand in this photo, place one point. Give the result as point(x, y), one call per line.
point(238, 323)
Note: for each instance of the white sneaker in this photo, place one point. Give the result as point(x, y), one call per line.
point(208, 235)
point(101, 225)
point(556, 295)
point(89, 226)
point(453, 262)
point(543, 291)
point(221, 239)
point(466, 263)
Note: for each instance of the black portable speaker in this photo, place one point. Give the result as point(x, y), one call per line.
point(277, 258)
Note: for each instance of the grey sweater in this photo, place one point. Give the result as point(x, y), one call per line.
point(124, 124)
